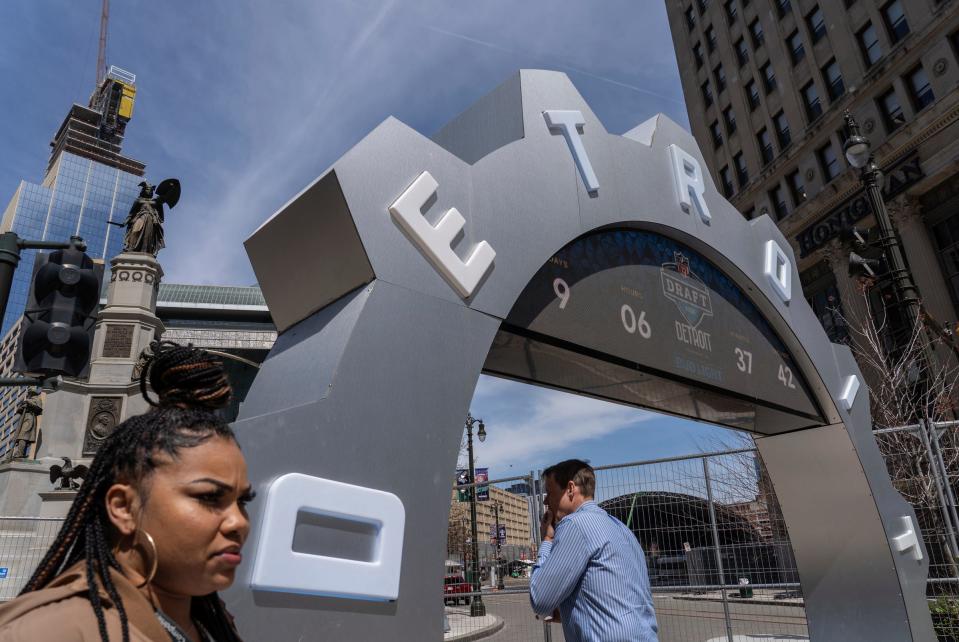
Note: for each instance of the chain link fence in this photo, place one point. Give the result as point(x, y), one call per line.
point(719, 560)
point(23, 543)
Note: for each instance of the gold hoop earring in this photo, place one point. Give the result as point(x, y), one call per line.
point(156, 560)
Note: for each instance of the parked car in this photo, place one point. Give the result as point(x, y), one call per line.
point(455, 588)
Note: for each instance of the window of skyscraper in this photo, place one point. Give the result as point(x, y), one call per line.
point(727, 180)
point(869, 44)
point(730, 118)
point(891, 110)
point(811, 101)
point(816, 24)
point(796, 49)
point(730, 6)
point(834, 85)
point(752, 94)
point(690, 18)
point(895, 20)
point(717, 133)
point(783, 7)
point(756, 30)
point(946, 234)
point(765, 146)
point(782, 130)
point(742, 51)
point(742, 172)
point(778, 199)
point(707, 93)
point(710, 39)
point(919, 89)
point(796, 187)
point(703, 4)
point(769, 77)
point(720, 76)
point(698, 54)
point(828, 162)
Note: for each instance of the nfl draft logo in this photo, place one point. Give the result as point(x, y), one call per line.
point(684, 288)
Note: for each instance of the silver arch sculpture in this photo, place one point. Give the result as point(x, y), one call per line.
point(390, 276)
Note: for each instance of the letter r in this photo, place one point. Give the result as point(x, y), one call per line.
point(688, 179)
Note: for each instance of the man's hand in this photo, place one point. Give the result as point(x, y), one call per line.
point(546, 527)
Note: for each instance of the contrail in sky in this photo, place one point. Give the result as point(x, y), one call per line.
point(569, 67)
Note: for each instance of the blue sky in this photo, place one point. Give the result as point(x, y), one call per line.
point(247, 102)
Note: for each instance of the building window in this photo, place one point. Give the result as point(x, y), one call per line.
point(769, 77)
point(727, 180)
point(707, 93)
point(717, 133)
point(730, 117)
point(778, 199)
point(919, 89)
point(742, 172)
point(742, 51)
point(816, 24)
point(756, 30)
point(834, 84)
point(828, 162)
point(765, 146)
point(796, 187)
point(690, 18)
point(946, 235)
point(796, 50)
point(869, 44)
point(710, 39)
point(698, 54)
point(819, 284)
point(782, 130)
point(752, 94)
point(811, 101)
point(891, 110)
point(703, 4)
point(720, 76)
point(783, 7)
point(848, 3)
point(895, 20)
point(730, 6)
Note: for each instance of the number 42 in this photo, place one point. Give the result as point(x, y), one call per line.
point(786, 376)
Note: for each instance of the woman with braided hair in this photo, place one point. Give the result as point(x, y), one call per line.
point(157, 527)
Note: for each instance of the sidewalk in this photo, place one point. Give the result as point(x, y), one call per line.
point(760, 596)
point(464, 628)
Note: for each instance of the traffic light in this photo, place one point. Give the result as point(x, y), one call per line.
point(56, 335)
point(866, 259)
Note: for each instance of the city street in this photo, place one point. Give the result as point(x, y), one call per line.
point(679, 620)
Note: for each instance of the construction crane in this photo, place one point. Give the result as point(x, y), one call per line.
point(102, 50)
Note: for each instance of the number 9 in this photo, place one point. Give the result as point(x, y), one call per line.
point(561, 288)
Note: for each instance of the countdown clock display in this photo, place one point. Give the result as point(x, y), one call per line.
point(648, 299)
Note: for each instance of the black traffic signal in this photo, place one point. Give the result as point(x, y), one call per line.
point(56, 335)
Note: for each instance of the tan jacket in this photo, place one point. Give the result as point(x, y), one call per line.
point(62, 612)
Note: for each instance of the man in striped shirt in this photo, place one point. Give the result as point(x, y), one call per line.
point(590, 566)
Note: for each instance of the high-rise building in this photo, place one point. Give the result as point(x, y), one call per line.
point(88, 182)
point(766, 84)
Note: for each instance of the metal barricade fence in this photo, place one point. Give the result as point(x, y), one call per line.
point(23, 542)
point(719, 560)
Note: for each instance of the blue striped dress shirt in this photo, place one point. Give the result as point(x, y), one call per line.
point(594, 571)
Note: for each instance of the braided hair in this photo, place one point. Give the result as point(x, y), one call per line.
point(190, 386)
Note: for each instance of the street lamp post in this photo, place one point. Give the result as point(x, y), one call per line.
point(477, 608)
point(858, 153)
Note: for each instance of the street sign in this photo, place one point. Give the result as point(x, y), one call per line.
point(3, 572)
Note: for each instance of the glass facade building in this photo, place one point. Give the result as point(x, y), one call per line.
point(78, 197)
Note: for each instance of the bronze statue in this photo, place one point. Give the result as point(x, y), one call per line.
point(145, 221)
point(67, 474)
point(28, 409)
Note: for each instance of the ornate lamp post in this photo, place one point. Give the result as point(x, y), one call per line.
point(858, 153)
point(477, 608)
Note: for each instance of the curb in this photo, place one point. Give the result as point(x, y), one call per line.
point(740, 601)
point(479, 634)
